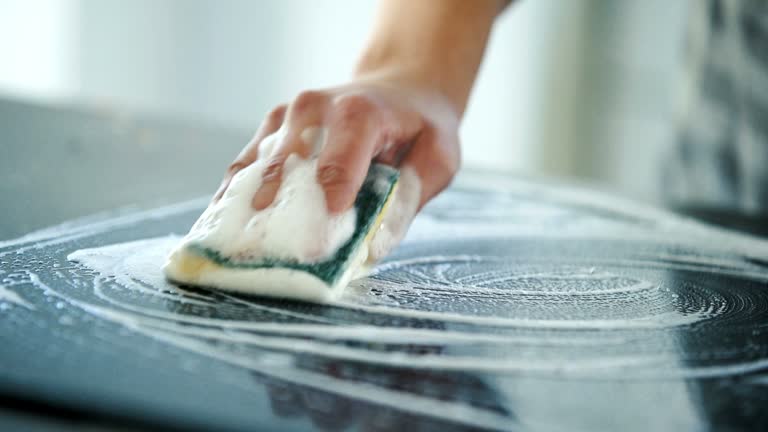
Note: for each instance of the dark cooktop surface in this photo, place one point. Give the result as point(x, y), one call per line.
point(511, 305)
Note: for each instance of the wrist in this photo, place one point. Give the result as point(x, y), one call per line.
point(420, 74)
point(434, 45)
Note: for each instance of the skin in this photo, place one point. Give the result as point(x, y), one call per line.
point(403, 105)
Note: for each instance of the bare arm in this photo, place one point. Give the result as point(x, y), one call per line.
point(430, 44)
point(402, 107)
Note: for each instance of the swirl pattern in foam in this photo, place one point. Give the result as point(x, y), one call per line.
point(622, 300)
point(528, 285)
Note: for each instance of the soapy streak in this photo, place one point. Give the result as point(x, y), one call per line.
point(661, 261)
point(394, 335)
point(154, 328)
point(403, 401)
point(658, 321)
point(459, 286)
point(655, 321)
point(404, 336)
point(361, 333)
point(396, 359)
point(182, 330)
point(63, 233)
point(13, 297)
point(151, 326)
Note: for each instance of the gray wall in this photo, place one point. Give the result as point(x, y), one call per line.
point(581, 89)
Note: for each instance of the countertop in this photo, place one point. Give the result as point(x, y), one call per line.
point(512, 304)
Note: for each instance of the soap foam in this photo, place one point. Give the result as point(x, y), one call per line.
point(123, 285)
point(296, 226)
point(396, 221)
point(6, 295)
point(610, 323)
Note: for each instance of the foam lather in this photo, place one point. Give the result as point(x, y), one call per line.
point(292, 249)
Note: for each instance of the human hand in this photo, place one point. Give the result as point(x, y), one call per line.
point(403, 108)
point(371, 119)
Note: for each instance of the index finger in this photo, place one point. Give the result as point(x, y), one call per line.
point(354, 130)
point(250, 152)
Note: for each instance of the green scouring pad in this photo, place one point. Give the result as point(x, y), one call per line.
point(195, 264)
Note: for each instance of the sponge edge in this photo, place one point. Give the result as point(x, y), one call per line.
point(191, 269)
point(194, 264)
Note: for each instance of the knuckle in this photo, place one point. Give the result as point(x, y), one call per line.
point(355, 106)
point(307, 99)
point(333, 175)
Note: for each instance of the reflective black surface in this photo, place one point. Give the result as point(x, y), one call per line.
point(532, 314)
point(511, 305)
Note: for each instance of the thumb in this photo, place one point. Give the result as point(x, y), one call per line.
point(397, 219)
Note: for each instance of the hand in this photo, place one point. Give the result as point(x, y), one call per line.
point(374, 119)
point(403, 108)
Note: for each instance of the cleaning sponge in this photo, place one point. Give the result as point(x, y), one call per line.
point(292, 249)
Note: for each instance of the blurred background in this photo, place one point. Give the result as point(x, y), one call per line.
point(578, 89)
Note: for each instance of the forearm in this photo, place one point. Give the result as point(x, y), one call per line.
point(430, 44)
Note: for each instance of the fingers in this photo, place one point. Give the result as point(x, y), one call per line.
point(306, 111)
point(270, 182)
point(356, 127)
point(359, 127)
point(250, 153)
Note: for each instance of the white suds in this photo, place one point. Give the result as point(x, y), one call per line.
point(297, 225)
point(398, 218)
point(6, 295)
